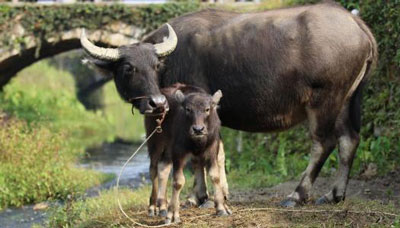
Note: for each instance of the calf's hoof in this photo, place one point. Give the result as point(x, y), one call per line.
point(289, 203)
point(173, 219)
point(151, 212)
point(163, 213)
point(223, 213)
point(207, 204)
point(167, 221)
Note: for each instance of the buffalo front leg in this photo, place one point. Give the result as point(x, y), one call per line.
point(324, 141)
point(219, 198)
point(178, 183)
point(164, 168)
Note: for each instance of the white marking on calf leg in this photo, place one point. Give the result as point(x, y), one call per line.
point(153, 197)
point(173, 209)
point(163, 172)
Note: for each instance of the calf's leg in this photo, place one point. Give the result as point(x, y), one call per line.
point(178, 183)
point(154, 181)
point(155, 151)
point(164, 168)
point(199, 195)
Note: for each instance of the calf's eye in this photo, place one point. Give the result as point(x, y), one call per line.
point(188, 110)
point(207, 110)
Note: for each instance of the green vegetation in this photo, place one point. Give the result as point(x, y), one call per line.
point(47, 134)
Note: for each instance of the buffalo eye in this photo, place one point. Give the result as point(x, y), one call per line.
point(129, 69)
point(207, 110)
point(188, 110)
point(157, 66)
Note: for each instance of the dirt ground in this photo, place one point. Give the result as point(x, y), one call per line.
point(369, 203)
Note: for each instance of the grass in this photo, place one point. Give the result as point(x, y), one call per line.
point(103, 211)
point(36, 165)
point(45, 132)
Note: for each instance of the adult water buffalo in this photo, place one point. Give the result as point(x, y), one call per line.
point(275, 69)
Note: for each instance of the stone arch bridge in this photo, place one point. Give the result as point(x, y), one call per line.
point(30, 32)
point(14, 59)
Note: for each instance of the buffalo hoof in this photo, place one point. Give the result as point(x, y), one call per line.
point(163, 213)
point(289, 203)
point(151, 213)
point(207, 204)
point(167, 221)
point(322, 200)
point(223, 213)
point(190, 203)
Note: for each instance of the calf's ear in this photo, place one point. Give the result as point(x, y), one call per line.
point(179, 96)
point(216, 97)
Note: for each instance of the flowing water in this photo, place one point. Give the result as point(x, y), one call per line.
point(109, 158)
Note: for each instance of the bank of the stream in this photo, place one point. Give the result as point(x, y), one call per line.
point(44, 132)
point(107, 159)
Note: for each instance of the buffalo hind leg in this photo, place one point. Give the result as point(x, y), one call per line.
point(348, 138)
point(222, 173)
point(219, 198)
point(322, 125)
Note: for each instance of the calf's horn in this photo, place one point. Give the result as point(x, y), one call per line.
point(109, 54)
point(168, 45)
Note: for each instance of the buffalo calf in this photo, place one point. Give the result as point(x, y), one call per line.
point(190, 129)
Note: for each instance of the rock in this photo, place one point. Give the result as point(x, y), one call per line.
point(370, 172)
point(41, 206)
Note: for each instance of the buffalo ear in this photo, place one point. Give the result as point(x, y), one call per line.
point(179, 96)
point(216, 97)
point(102, 66)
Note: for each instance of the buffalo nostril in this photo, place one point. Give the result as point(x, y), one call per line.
point(152, 104)
point(198, 129)
point(158, 101)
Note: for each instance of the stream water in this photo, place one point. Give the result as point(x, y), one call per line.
point(108, 158)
